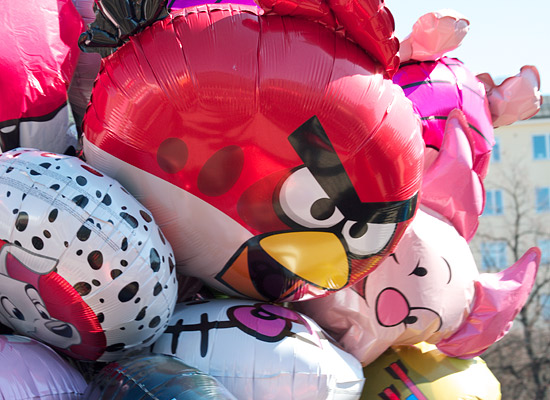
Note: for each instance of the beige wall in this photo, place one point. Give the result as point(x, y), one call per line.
point(517, 174)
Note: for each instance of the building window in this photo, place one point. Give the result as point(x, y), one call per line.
point(493, 255)
point(493, 202)
point(495, 155)
point(544, 245)
point(545, 306)
point(542, 199)
point(541, 147)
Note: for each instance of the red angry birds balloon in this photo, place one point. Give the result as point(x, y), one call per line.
point(279, 162)
point(38, 55)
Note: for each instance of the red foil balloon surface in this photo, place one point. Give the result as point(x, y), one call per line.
point(438, 87)
point(38, 55)
point(279, 162)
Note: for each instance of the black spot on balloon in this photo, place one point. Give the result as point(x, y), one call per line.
point(114, 347)
point(83, 233)
point(66, 243)
point(157, 289)
point(15, 211)
point(137, 300)
point(124, 207)
point(128, 292)
point(100, 317)
point(83, 288)
point(107, 200)
point(33, 172)
point(98, 194)
point(162, 237)
point(132, 221)
point(52, 216)
point(95, 259)
point(102, 301)
point(9, 170)
point(79, 252)
point(46, 165)
point(37, 243)
point(141, 314)
point(22, 221)
point(81, 180)
point(24, 195)
point(171, 263)
point(95, 282)
point(8, 193)
point(80, 200)
point(124, 263)
point(124, 245)
point(154, 322)
point(115, 273)
point(140, 327)
point(17, 243)
point(154, 259)
point(55, 186)
point(145, 216)
point(47, 234)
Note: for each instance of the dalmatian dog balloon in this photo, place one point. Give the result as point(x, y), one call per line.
point(83, 266)
point(429, 289)
point(279, 160)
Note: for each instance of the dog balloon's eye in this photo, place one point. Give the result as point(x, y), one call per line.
point(11, 310)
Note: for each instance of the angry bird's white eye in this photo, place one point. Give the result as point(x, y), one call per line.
point(305, 202)
point(8, 129)
point(365, 238)
point(11, 310)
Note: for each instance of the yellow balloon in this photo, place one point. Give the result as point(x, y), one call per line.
point(422, 372)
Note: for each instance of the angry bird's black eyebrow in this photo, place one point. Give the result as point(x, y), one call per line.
point(312, 144)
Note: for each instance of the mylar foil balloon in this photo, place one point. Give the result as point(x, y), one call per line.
point(430, 289)
point(281, 165)
point(261, 351)
point(179, 4)
point(435, 89)
point(422, 372)
point(31, 370)
point(38, 54)
point(154, 377)
point(83, 266)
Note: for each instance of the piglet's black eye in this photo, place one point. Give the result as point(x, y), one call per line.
point(419, 271)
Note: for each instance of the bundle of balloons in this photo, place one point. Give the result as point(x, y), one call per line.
point(247, 200)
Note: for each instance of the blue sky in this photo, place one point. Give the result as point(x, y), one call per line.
point(504, 34)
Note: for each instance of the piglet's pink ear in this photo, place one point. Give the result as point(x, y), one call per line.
point(516, 98)
point(450, 185)
point(498, 299)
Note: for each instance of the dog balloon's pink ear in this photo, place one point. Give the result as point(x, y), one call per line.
point(498, 299)
point(450, 185)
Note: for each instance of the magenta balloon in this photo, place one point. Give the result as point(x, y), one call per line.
point(31, 370)
point(435, 89)
point(179, 4)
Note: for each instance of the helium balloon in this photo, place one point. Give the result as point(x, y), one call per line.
point(437, 84)
point(288, 166)
point(424, 373)
point(179, 4)
point(430, 289)
point(38, 55)
point(31, 370)
point(155, 376)
point(83, 266)
point(261, 351)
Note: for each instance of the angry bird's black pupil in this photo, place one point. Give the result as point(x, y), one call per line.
point(358, 229)
point(322, 209)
